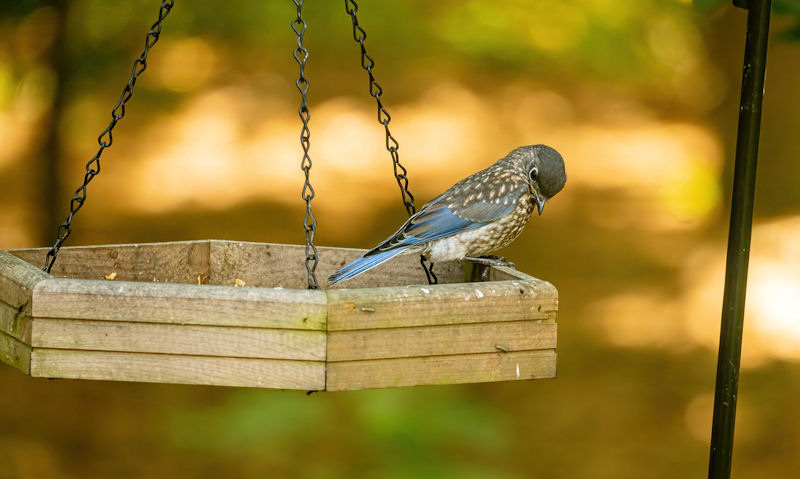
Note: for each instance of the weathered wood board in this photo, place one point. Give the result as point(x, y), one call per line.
point(17, 280)
point(369, 308)
point(15, 322)
point(180, 304)
point(455, 369)
point(179, 369)
point(15, 353)
point(220, 341)
point(176, 262)
point(366, 344)
point(172, 312)
point(276, 265)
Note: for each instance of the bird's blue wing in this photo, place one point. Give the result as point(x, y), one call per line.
point(486, 196)
point(461, 208)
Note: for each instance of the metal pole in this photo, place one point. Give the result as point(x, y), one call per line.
point(744, 178)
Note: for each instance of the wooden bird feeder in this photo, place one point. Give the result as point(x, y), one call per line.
point(173, 314)
point(240, 314)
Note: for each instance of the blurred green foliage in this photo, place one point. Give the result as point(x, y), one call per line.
point(548, 42)
point(415, 428)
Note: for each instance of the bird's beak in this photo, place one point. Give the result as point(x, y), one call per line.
point(540, 200)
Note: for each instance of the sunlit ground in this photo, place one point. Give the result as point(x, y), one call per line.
point(639, 97)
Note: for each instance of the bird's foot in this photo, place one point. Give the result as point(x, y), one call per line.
point(491, 261)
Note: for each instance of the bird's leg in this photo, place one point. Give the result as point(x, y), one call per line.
point(491, 261)
point(480, 272)
point(432, 279)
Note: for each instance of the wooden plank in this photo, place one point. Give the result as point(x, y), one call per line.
point(180, 304)
point(270, 265)
point(374, 308)
point(258, 264)
point(173, 262)
point(15, 323)
point(17, 280)
point(471, 368)
point(440, 340)
point(168, 368)
point(179, 339)
point(14, 353)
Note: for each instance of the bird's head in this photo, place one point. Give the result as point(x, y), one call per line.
point(544, 168)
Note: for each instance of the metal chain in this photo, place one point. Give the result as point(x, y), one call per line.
point(310, 222)
point(375, 90)
point(105, 139)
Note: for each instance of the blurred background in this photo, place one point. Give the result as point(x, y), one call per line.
point(640, 97)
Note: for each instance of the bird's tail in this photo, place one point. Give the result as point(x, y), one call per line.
point(362, 264)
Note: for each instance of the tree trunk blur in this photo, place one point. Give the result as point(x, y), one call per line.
point(48, 160)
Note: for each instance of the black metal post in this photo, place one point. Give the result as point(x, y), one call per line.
point(744, 179)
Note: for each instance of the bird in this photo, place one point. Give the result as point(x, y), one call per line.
point(477, 216)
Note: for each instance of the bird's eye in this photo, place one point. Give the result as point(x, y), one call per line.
point(534, 173)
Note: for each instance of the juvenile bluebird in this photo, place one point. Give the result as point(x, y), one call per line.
point(476, 216)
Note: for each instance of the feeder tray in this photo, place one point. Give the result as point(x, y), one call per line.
point(172, 313)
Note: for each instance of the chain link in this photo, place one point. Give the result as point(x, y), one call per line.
point(392, 146)
point(310, 222)
point(105, 139)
